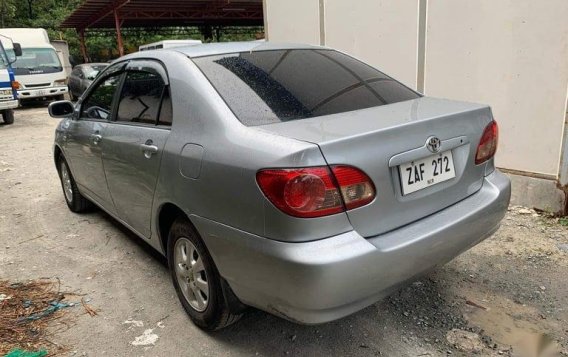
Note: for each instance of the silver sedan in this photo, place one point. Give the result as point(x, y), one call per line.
point(291, 178)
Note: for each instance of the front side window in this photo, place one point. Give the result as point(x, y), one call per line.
point(141, 98)
point(98, 104)
point(265, 87)
point(37, 61)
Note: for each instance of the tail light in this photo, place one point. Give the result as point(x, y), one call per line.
point(316, 191)
point(488, 143)
point(356, 187)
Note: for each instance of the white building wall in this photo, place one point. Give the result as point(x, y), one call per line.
point(383, 33)
point(292, 21)
point(510, 54)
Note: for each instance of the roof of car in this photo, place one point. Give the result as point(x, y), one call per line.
point(219, 48)
point(210, 49)
point(91, 64)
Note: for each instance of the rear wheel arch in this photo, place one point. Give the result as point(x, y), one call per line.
point(167, 215)
point(57, 154)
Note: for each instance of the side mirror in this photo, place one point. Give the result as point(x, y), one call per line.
point(17, 49)
point(61, 109)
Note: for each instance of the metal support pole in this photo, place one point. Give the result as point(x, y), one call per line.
point(118, 34)
point(83, 46)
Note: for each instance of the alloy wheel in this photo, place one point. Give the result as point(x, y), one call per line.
point(66, 180)
point(191, 275)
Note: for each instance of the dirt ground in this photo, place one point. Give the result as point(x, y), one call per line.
point(505, 296)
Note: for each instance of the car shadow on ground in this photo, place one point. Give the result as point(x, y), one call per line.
point(414, 319)
point(145, 246)
point(410, 321)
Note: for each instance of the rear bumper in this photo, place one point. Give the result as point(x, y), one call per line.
point(8, 104)
point(320, 281)
point(42, 92)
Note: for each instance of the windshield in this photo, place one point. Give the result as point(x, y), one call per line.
point(37, 61)
point(265, 87)
point(3, 58)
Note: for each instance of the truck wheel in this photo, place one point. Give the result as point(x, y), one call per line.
point(196, 279)
point(8, 116)
point(60, 97)
point(73, 97)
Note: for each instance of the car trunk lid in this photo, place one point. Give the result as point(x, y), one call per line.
point(378, 140)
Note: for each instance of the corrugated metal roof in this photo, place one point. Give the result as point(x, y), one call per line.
point(152, 13)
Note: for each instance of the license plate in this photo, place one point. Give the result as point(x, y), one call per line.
point(426, 172)
point(42, 92)
point(6, 92)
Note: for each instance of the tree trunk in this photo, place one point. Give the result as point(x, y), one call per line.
point(30, 9)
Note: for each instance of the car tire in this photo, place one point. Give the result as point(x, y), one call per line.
point(75, 201)
point(59, 97)
point(213, 313)
point(73, 97)
point(8, 116)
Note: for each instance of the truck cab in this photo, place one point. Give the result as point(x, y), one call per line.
point(8, 85)
point(39, 70)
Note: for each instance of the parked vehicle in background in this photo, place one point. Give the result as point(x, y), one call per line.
point(39, 70)
point(8, 84)
point(168, 44)
point(82, 76)
point(62, 50)
point(295, 179)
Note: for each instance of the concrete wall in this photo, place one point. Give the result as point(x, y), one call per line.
point(510, 54)
point(292, 21)
point(387, 39)
point(380, 32)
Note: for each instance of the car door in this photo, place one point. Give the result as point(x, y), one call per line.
point(85, 134)
point(134, 142)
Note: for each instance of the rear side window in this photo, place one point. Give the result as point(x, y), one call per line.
point(141, 98)
point(274, 86)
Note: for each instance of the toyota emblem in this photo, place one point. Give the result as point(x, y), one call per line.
point(433, 144)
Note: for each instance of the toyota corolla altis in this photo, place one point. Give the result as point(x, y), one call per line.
point(291, 178)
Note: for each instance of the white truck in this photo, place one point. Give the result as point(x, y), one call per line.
point(39, 70)
point(8, 85)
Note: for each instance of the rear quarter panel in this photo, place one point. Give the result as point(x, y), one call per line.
point(225, 189)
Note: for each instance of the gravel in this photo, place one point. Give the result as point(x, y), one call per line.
point(513, 284)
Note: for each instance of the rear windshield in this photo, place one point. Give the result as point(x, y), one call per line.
point(274, 86)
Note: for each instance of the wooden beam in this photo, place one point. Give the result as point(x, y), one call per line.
point(83, 46)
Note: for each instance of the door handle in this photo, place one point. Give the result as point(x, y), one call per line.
point(148, 150)
point(96, 138)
